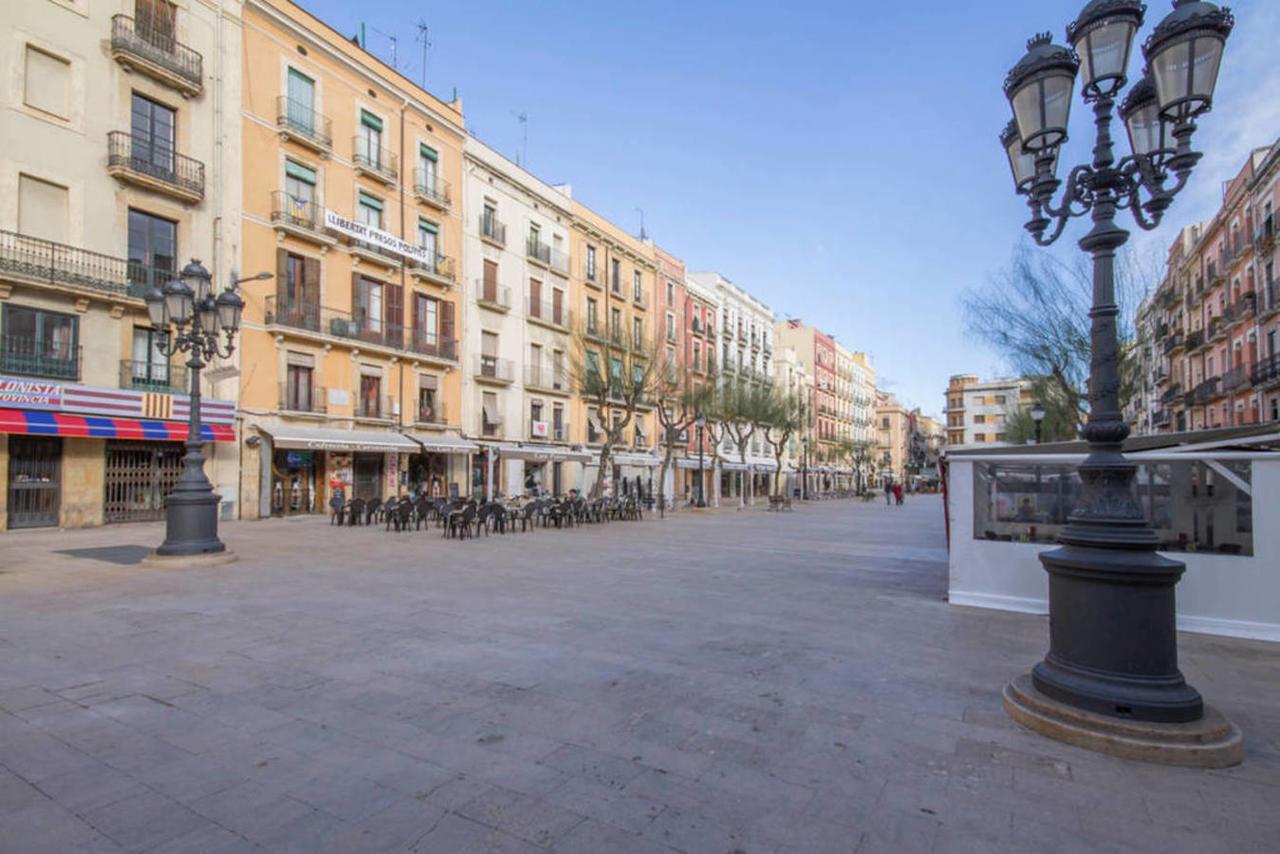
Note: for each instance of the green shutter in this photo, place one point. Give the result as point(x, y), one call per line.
point(368, 119)
point(428, 152)
point(302, 173)
point(370, 201)
point(423, 225)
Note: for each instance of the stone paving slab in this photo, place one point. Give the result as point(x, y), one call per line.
point(720, 682)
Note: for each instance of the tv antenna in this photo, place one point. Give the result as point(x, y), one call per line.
point(523, 119)
point(424, 36)
point(394, 42)
point(643, 234)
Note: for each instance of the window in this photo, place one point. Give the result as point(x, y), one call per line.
point(427, 164)
point(637, 332)
point(557, 306)
point(884, 422)
point(300, 190)
point(428, 233)
point(150, 367)
point(489, 283)
point(535, 297)
point(637, 286)
point(426, 319)
point(697, 356)
point(39, 343)
point(151, 147)
point(671, 293)
point(490, 417)
point(671, 326)
point(615, 324)
point(535, 410)
point(369, 140)
point(591, 262)
point(42, 209)
point(301, 97)
point(593, 426)
point(369, 305)
point(979, 419)
point(489, 220)
point(153, 250)
point(1000, 400)
point(46, 82)
point(615, 278)
point(370, 396)
point(369, 210)
point(427, 413)
point(592, 316)
point(298, 388)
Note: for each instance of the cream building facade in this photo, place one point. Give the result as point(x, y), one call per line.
point(978, 411)
point(119, 162)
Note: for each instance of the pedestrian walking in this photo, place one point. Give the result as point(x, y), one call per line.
point(888, 492)
point(897, 493)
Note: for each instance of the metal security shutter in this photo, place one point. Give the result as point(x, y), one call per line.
point(35, 481)
point(140, 476)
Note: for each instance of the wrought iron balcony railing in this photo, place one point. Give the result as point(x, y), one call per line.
point(157, 52)
point(432, 189)
point(492, 296)
point(493, 230)
point(434, 345)
point(548, 312)
point(434, 413)
point(153, 376)
point(57, 263)
point(1266, 371)
point(312, 317)
point(296, 213)
point(437, 267)
point(376, 162)
point(1235, 378)
point(154, 164)
point(302, 398)
point(546, 377)
point(493, 368)
point(34, 357)
point(300, 122)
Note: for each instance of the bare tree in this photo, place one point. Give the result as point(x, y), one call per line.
point(617, 375)
point(788, 415)
point(1035, 314)
point(683, 395)
point(744, 407)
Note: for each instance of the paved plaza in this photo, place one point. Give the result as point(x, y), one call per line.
point(716, 682)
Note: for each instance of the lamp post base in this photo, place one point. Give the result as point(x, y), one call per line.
point(195, 561)
point(191, 524)
point(1210, 742)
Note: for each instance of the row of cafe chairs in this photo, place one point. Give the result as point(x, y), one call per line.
point(467, 518)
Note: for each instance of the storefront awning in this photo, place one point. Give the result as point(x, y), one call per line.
point(731, 465)
point(385, 442)
point(692, 463)
point(539, 453)
point(631, 459)
point(37, 423)
point(444, 444)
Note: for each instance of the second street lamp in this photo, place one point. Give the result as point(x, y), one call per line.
point(1037, 416)
point(1113, 638)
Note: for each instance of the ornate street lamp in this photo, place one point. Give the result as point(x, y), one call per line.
point(200, 320)
point(702, 425)
point(1113, 643)
point(1037, 415)
point(804, 468)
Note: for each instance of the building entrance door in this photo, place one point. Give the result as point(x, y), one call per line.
point(139, 478)
point(35, 481)
point(293, 482)
point(368, 476)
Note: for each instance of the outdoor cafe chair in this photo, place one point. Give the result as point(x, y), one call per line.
point(355, 511)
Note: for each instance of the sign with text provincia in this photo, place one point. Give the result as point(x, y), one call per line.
point(30, 394)
point(377, 237)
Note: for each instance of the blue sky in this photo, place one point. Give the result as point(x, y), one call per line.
point(842, 165)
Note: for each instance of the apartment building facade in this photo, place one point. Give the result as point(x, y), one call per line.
point(1217, 324)
point(518, 321)
point(118, 164)
point(893, 438)
point(978, 412)
point(612, 284)
point(696, 478)
point(864, 398)
point(351, 374)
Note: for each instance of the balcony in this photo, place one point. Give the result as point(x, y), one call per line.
point(430, 189)
point(300, 218)
point(640, 300)
point(374, 407)
point(300, 123)
point(304, 399)
point(1265, 239)
point(1195, 339)
point(438, 269)
point(374, 162)
point(1160, 419)
point(1206, 391)
point(546, 256)
point(1266, 372)
point(374, 253)
point(1237, 377)
point(548, 313)
point(546, 378)
point(47, 263)
point(1218, 326)
point(157, 54)
point(489, 295)
point(433, 346)
point(149, 164)
point(1171, 393)
point(491, 369)
point(332, 323)
point(30, 357)
point(1272, 302)
point(592, 276)
point(1246, 306)
point(434, 414)
point(1214, 274)
point(493, 231)
point(153, 376)
point(1174, 342)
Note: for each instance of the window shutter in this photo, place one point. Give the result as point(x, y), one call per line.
point(428, 152)
point(394, 311)
point(446, 322)
point(282, 275)
point(369, 120)
point(302, 173)
point(311, 274)
point(355, 296)
point(370, 201)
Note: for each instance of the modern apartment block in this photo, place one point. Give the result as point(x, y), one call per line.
point(978, 411)
point(517, 321)
point(119, 163)
point(351, 372)
point(1217, 324)
point(864, 398)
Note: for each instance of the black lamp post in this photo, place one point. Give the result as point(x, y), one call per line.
point(199, 319)
point(804, 468)
point(1037, 416)
point(702, 425)
point(1113, 643)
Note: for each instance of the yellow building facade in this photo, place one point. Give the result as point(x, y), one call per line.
point(613, 275)
point(350, 381)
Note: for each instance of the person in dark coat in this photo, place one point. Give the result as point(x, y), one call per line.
point(888, 492)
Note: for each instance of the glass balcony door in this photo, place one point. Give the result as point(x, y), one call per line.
point(153, 135)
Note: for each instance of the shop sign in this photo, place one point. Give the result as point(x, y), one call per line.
point(30, 394)
point(377, 237)
point(298, 459)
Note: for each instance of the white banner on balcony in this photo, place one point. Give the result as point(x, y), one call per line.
point(377, 237)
